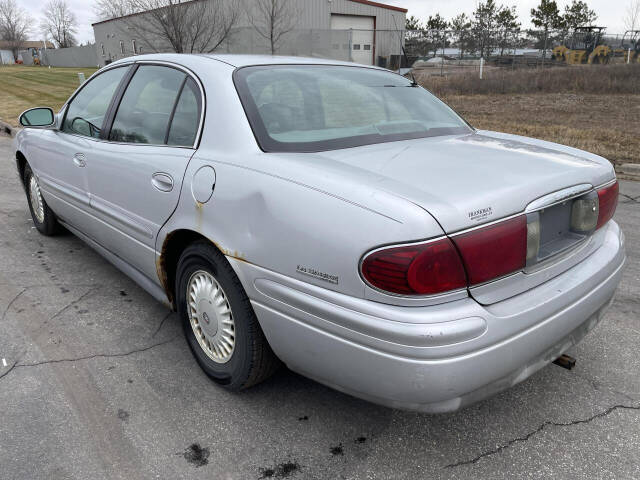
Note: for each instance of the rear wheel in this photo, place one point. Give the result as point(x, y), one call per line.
point(219, 323)
point(43, 217)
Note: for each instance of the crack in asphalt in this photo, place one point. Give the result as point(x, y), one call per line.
point(540, 428)
point(10, 368)
point(13, 300)
point(97, 355)
point(93, 288)
point(17, 365)
point(24, 289)
point(633, 199)
point(161, 324)
point(74, 302)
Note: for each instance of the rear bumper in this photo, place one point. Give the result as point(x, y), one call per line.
point(438, 358)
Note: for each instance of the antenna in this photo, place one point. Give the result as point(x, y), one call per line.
point(404, 53)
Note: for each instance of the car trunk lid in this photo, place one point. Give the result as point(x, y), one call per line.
point(465, 181)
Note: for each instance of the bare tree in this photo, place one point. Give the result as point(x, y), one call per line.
point(108, 9)
point(272, 19)
point(15, 25)
point(179, 26)
point(632, 15)
point(59, 24)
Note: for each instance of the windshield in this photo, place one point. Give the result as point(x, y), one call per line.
point(311, 108)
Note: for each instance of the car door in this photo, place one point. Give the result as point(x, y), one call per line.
point(135, 177)
point(59, 155)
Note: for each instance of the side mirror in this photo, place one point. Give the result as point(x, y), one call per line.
point(39, 117)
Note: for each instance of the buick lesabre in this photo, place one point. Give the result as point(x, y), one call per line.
point(334, 217)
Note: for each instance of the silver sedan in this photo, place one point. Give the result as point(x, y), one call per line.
point(337, 218)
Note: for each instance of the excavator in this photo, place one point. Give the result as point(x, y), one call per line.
point(585, 45)
point(629, 48)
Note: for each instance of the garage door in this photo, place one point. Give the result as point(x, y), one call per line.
point(361, 37)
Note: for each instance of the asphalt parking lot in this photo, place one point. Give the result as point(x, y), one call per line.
point(97, 382)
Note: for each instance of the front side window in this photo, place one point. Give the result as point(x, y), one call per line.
point(307, 108)
point(86, 112)
point(146, 106)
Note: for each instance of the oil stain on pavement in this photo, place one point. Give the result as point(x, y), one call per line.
point(196, 455)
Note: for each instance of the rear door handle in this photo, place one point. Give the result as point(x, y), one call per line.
point(162, 181)
point(79, 159)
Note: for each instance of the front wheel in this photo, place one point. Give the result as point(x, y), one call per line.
point(43, 217)
point(219, 323)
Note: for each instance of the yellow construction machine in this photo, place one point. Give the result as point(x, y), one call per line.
point(629, 49)
point(585, 45)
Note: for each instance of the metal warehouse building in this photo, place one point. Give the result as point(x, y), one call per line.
point(353, 30)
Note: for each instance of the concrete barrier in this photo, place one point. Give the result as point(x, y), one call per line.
point(630, 170)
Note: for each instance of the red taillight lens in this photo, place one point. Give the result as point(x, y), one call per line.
point(608, 201)
point(422, 269)
point(493, 251)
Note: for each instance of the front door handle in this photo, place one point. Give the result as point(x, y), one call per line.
point(162, 181)
point(79, 159)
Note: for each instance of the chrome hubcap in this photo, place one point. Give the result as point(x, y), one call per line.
point(210, 316)
point(37, 203)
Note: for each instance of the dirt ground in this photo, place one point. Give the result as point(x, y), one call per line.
point(608, 125)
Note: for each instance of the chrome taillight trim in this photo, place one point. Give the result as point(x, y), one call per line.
point(484, 225)
point(559, 196)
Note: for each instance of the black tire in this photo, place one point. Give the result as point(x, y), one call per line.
point(252, 359)
point(48, 223)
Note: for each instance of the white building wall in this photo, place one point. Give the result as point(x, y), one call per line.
point(312, 35)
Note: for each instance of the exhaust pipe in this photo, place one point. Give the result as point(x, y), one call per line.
point(565, 361)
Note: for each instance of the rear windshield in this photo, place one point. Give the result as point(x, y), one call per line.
point(311, 108)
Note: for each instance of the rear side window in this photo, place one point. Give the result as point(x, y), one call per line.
point(86, 112)
point(186, 117)
point(145, 109)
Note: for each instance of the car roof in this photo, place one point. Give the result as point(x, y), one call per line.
point(239, 60)
point(246, 60)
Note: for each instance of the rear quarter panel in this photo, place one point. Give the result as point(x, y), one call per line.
point(290, 227)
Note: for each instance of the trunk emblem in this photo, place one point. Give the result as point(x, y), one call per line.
point(480, 214)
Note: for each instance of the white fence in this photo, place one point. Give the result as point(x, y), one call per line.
point(84, 56)
point(6, 57)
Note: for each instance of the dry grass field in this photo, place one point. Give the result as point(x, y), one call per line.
point(23, 87)
point(592, 107)
point(597, 79)
point(608, 125)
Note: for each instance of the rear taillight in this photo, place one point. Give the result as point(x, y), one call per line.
point(478, 255)
point(608, 201)
point(420, 269)
point(493, 251)
point(439, 266)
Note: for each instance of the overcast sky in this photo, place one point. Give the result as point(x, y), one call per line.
point(610, 12)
